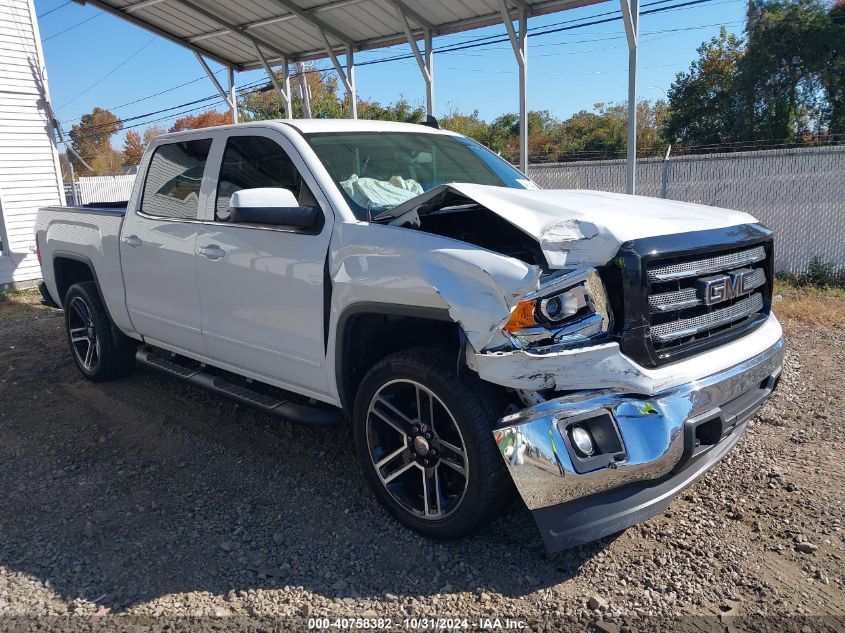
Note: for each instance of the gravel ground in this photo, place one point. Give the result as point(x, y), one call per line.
point(149, 501)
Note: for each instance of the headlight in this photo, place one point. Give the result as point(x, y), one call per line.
point(570, 310)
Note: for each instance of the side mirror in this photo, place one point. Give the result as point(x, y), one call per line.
point(271, 205)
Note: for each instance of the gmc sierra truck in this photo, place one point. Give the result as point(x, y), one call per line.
point(594, 352)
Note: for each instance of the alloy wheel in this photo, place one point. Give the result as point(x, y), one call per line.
point(83, 334)
point(416, 449)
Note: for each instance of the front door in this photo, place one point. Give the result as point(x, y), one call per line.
point(261, 287)
point(158, 248)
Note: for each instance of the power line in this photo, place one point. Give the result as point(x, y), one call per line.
point(108, 74)
point(70, 28)
point(46, 13)
point(156, 94)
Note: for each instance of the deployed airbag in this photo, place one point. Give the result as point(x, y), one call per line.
point(370, 192)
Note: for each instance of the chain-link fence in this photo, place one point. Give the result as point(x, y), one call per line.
point(799, 193)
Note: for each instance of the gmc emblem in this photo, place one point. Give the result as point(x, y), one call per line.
point(720, 288)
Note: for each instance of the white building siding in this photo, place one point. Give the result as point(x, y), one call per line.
point(29, 166)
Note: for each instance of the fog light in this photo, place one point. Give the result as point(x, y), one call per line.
point(582, 440)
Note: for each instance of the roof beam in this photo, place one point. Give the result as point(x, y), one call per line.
point(141, 5)
point(456, 26)
point(238, 30)
point(132, 19)
point(522, 5)
point(416, 17)
point(314, 21)
point(338, 4)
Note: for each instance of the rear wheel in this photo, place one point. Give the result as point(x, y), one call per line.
point(423, 436)
point(99, 354)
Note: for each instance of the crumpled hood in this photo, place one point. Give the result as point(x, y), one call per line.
point(586, 227)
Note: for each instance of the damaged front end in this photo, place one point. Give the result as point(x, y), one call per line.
point(569, 310)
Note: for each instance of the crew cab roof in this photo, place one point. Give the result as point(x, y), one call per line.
point(308, 126)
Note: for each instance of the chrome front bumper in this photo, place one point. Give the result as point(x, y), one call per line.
point(673, 435)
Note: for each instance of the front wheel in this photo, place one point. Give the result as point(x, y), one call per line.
point(423, 435)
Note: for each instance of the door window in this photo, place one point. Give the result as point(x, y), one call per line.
point(172, 187)
point(250, 162)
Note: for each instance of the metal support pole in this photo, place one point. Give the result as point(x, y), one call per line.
point(523, 91)
point(350, 83)
point(286, 91)
point(519, 43)
point(630, 16)
point(429, 80)
point(233, 97)
point(664, 176)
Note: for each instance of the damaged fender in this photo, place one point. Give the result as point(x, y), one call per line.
point(387, 264)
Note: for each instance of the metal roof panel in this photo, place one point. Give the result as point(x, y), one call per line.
point(225, 31)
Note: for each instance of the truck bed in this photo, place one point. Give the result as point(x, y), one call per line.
point(89, 235)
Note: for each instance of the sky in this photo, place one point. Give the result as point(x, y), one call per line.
point(94, 59)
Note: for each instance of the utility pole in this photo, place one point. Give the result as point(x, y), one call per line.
point(304, 92)
point(73, 199)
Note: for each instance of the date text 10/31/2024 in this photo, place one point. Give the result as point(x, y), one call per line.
point(420, 623)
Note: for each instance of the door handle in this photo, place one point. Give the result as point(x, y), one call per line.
point(212, 251)
point(133, 241)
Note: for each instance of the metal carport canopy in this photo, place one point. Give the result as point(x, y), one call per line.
point(251, 34)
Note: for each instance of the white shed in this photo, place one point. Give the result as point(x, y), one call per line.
point(30, 176)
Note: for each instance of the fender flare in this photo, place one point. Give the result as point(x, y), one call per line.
point(117, 335)
point(373, 307)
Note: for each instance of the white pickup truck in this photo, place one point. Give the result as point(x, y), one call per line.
point(596, 352)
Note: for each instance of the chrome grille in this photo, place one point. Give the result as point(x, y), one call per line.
point(683, 328)
point(687, 293)
point(681, 311)
point(699, 267)
point(689, 297)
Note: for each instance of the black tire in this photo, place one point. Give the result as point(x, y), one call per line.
point(99, 351)
point(465, 400)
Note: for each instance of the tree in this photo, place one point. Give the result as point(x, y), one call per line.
point(789, 43)
point(784, 83)
point(211, 118)
point(400, 110)
point(133, 149)
point(704, 107)
point(325, 99)
point(833, 69)
point(151, 132)
point(470, 125)
point(91, 139)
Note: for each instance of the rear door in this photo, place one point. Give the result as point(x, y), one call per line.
point(158, 244)
point(262, 287)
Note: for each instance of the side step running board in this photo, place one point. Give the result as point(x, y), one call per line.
point(311, 415)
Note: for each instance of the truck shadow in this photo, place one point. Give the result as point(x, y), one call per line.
point(124, 492)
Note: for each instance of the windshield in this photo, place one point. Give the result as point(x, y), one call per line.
point(377, 171)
